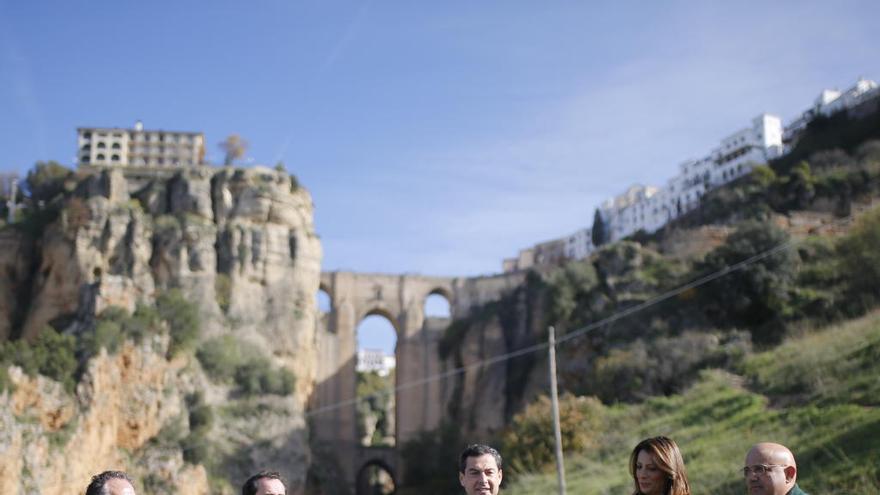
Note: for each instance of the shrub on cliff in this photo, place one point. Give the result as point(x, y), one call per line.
point(51, 354)
point(114, 325)
point(860, 260)
point(528, 443)
point(663, 365)
point(47, 180)
point(196, 446)
point(221, 356)
point(183, 319)
point(259, 377)
point(228, 360)
point(755, 296)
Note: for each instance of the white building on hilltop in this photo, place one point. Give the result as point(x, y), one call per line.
point(116, 147)
point(375, 360)
point(829, 102)
point(629, 212)
point(649, 208)
point(737, 154)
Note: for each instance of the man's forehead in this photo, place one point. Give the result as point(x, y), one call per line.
point(270, 485)
point(481, 462)
point(766, 456)
point(118, 486)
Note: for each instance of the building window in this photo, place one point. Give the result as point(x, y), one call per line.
point(100, 157)
point(101, 145)
point(116, 146)
point(115, 158)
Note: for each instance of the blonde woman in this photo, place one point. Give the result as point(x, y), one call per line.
point(658, 469)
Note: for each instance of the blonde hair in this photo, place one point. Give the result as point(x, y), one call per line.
point(668, 459)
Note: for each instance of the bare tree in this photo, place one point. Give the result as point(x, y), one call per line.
point(234, 148)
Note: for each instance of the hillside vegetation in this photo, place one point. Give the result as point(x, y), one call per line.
point(730, 361)
point(829, 382)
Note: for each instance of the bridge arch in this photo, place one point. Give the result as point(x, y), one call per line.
point(384, 313)
point(325, 302)
point(376, 364)
point(438, 304)
point(375, 477)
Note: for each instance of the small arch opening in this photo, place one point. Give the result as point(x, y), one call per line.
point(437, 306)
point(325, 304)
point(375, 479)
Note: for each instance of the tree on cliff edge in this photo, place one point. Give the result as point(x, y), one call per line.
point(46, 181)
point(600, 230)
point(234, 148)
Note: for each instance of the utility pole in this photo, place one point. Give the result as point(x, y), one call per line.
point(554, 398)
point(10, 203)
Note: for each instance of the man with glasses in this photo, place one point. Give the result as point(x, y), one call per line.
point(770, 470)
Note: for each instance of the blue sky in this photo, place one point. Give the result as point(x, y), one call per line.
point(435, 137)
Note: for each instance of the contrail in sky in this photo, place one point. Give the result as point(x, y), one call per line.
point(20, 88)
point(337, 49)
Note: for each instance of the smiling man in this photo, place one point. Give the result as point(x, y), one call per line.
point(771, 470)
point(479, 470)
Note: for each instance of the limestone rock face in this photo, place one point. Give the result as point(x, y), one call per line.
point(238, 243)
point(483, 398)
point(252, 228)
point(52, 442)
point(267, 249)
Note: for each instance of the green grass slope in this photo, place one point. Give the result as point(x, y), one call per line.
point(818, 394)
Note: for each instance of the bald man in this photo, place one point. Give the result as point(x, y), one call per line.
point(770, 470)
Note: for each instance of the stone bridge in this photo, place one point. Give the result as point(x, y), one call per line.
point(420, 406)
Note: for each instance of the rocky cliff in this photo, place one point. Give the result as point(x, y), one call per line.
point(53, 442)
point(240, 244)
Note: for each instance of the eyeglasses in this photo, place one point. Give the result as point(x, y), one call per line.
point(760, 469)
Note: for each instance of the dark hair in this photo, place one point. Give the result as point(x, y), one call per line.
point(96, 487)
point(250, 486)
point(476, 450)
